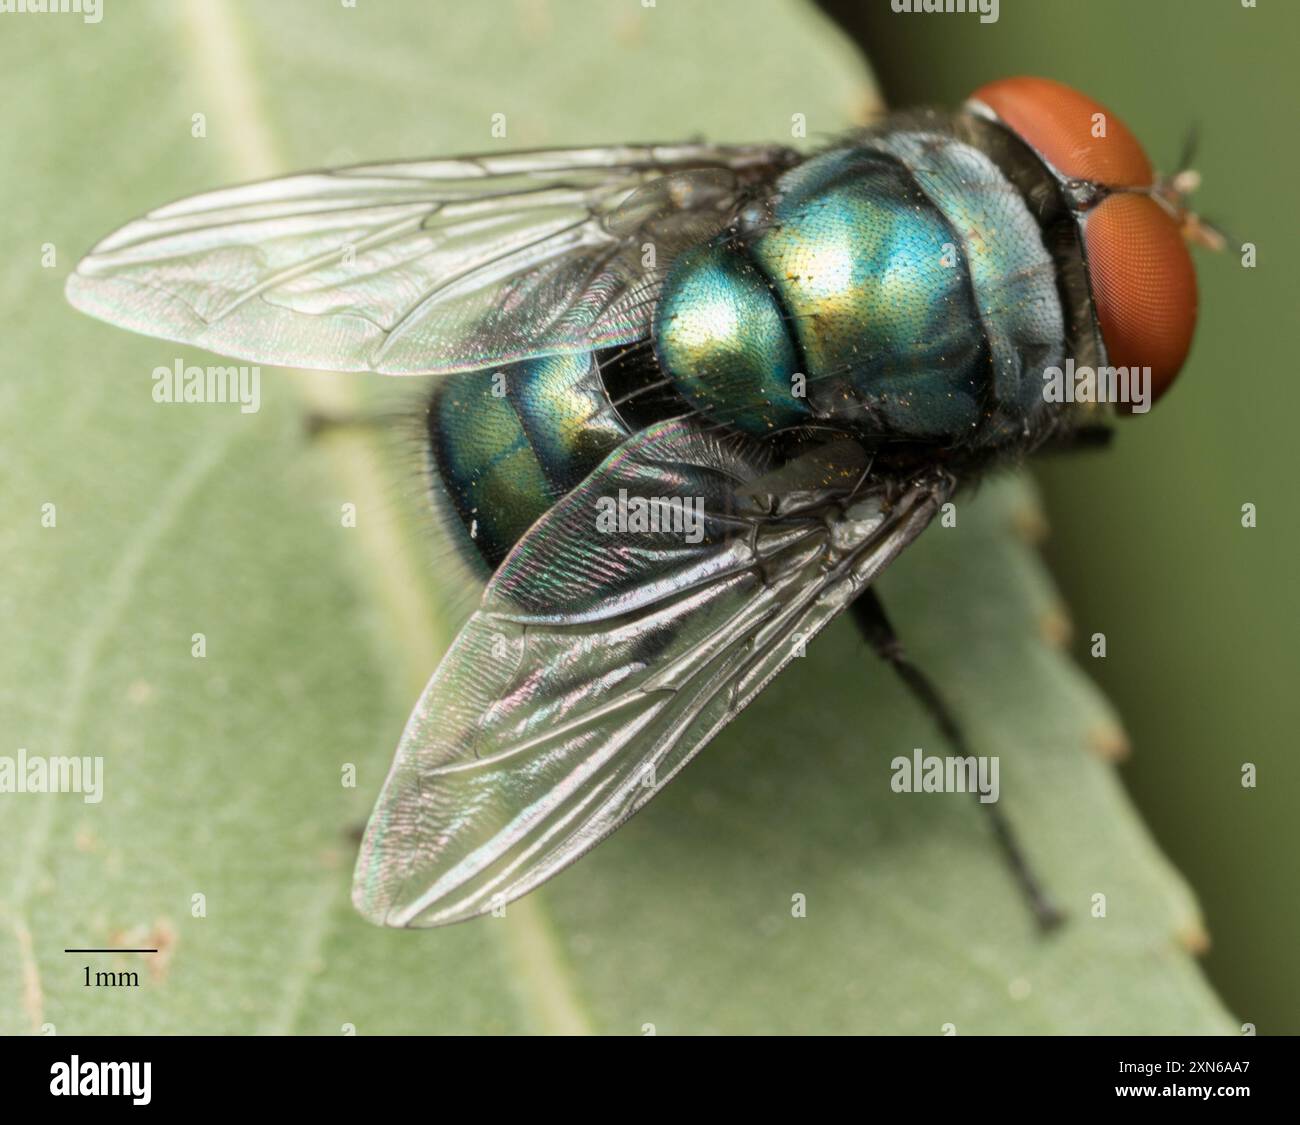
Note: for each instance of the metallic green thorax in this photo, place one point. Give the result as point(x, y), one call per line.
point(915, 294)
point(898, 288)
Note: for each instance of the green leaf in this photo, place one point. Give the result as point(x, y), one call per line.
point(222, 774)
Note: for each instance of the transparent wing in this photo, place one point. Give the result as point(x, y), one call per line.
point(598, 665)
point(421, 267)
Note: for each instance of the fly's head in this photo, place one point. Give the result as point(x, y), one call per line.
point(1135, 224)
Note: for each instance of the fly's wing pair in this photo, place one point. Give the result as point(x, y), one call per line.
point(422, 267)
point(597, 663)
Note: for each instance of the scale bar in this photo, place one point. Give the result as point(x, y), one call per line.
point(110, 951)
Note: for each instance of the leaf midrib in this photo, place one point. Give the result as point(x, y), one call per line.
point(214, 41)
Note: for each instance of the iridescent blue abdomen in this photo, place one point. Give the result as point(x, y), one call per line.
point(507, 444)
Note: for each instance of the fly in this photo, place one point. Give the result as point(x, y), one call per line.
point(806, 355)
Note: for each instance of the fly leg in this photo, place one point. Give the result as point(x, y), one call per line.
point(317, 423)
point(1081, 440)
point(869, 614)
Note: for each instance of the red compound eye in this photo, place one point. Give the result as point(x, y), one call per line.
point(1143, 283)
point(1079, 137)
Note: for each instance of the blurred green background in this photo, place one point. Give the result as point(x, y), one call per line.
point(225, 775)
point(1200, 615)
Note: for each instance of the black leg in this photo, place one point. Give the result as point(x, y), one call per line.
point(317, 424)
point(869, 614)
point(1081, 440)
